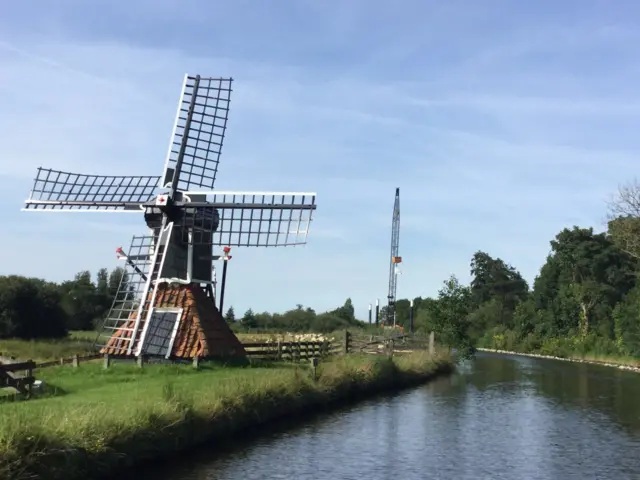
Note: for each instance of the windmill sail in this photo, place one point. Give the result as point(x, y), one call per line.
point(198, 133)
point(57, 190)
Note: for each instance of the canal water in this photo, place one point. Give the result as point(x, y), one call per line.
point(500, 417)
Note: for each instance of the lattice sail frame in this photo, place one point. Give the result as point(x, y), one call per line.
point(203, 131)
point(259, 219)
point(56, 190)
point(242, 219)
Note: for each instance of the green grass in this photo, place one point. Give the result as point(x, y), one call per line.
point(610, 359)
point(77, 343)
point(96, 421)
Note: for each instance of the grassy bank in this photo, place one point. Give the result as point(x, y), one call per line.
point(591, 348)
point(99, 421)
point(623, 363)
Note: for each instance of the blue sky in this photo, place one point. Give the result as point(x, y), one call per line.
point(501, 122)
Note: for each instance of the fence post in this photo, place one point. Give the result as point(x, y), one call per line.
point(196, 362)
point(107, 361)
point(279, 350)
point(75, 361)
point(29, 385)
point(140, 360)
point(431, 343)
point(314, 366)
point(62, 361)
point(346, 341)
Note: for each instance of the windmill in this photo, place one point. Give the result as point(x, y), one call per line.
point(165, 304)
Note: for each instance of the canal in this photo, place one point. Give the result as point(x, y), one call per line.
point(500, 417)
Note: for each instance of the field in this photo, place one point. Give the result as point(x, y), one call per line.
point(93, 421)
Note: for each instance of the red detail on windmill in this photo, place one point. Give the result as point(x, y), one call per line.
point(119, 252)
point(226, 251)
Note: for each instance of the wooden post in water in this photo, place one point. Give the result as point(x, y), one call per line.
point(431, 343)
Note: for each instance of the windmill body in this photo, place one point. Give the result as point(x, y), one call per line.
point(165, 304)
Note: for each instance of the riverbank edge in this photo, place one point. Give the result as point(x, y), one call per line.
point(619, 366)
point(174, 439)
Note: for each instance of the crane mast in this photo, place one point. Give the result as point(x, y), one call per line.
point(395, 260)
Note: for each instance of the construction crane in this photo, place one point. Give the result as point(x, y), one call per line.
point(395, 261)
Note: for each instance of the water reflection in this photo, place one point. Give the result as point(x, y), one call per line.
point(499, 418)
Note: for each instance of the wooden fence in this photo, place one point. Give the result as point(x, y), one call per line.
point(293, 351)
point(390, 344)
point(10, 376)
point(347, 342)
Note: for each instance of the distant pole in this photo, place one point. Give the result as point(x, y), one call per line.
point(369, 314)
point(411, 317)
point(377, 311)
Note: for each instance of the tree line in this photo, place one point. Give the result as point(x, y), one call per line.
point(32, 308)
point(585, 298)
point(299, 319)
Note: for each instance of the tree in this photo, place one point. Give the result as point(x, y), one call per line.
point(346, 312)
point(102, 282)
point(592, 269)
point(625, 233)
point(450, 314)
point(30, 309)
point(248, 319)
point(119, 278)
point(626, 316)
point(81, 302)
point(402, 308)
point(624, 218)
point(230, 316)
point(494, 279)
